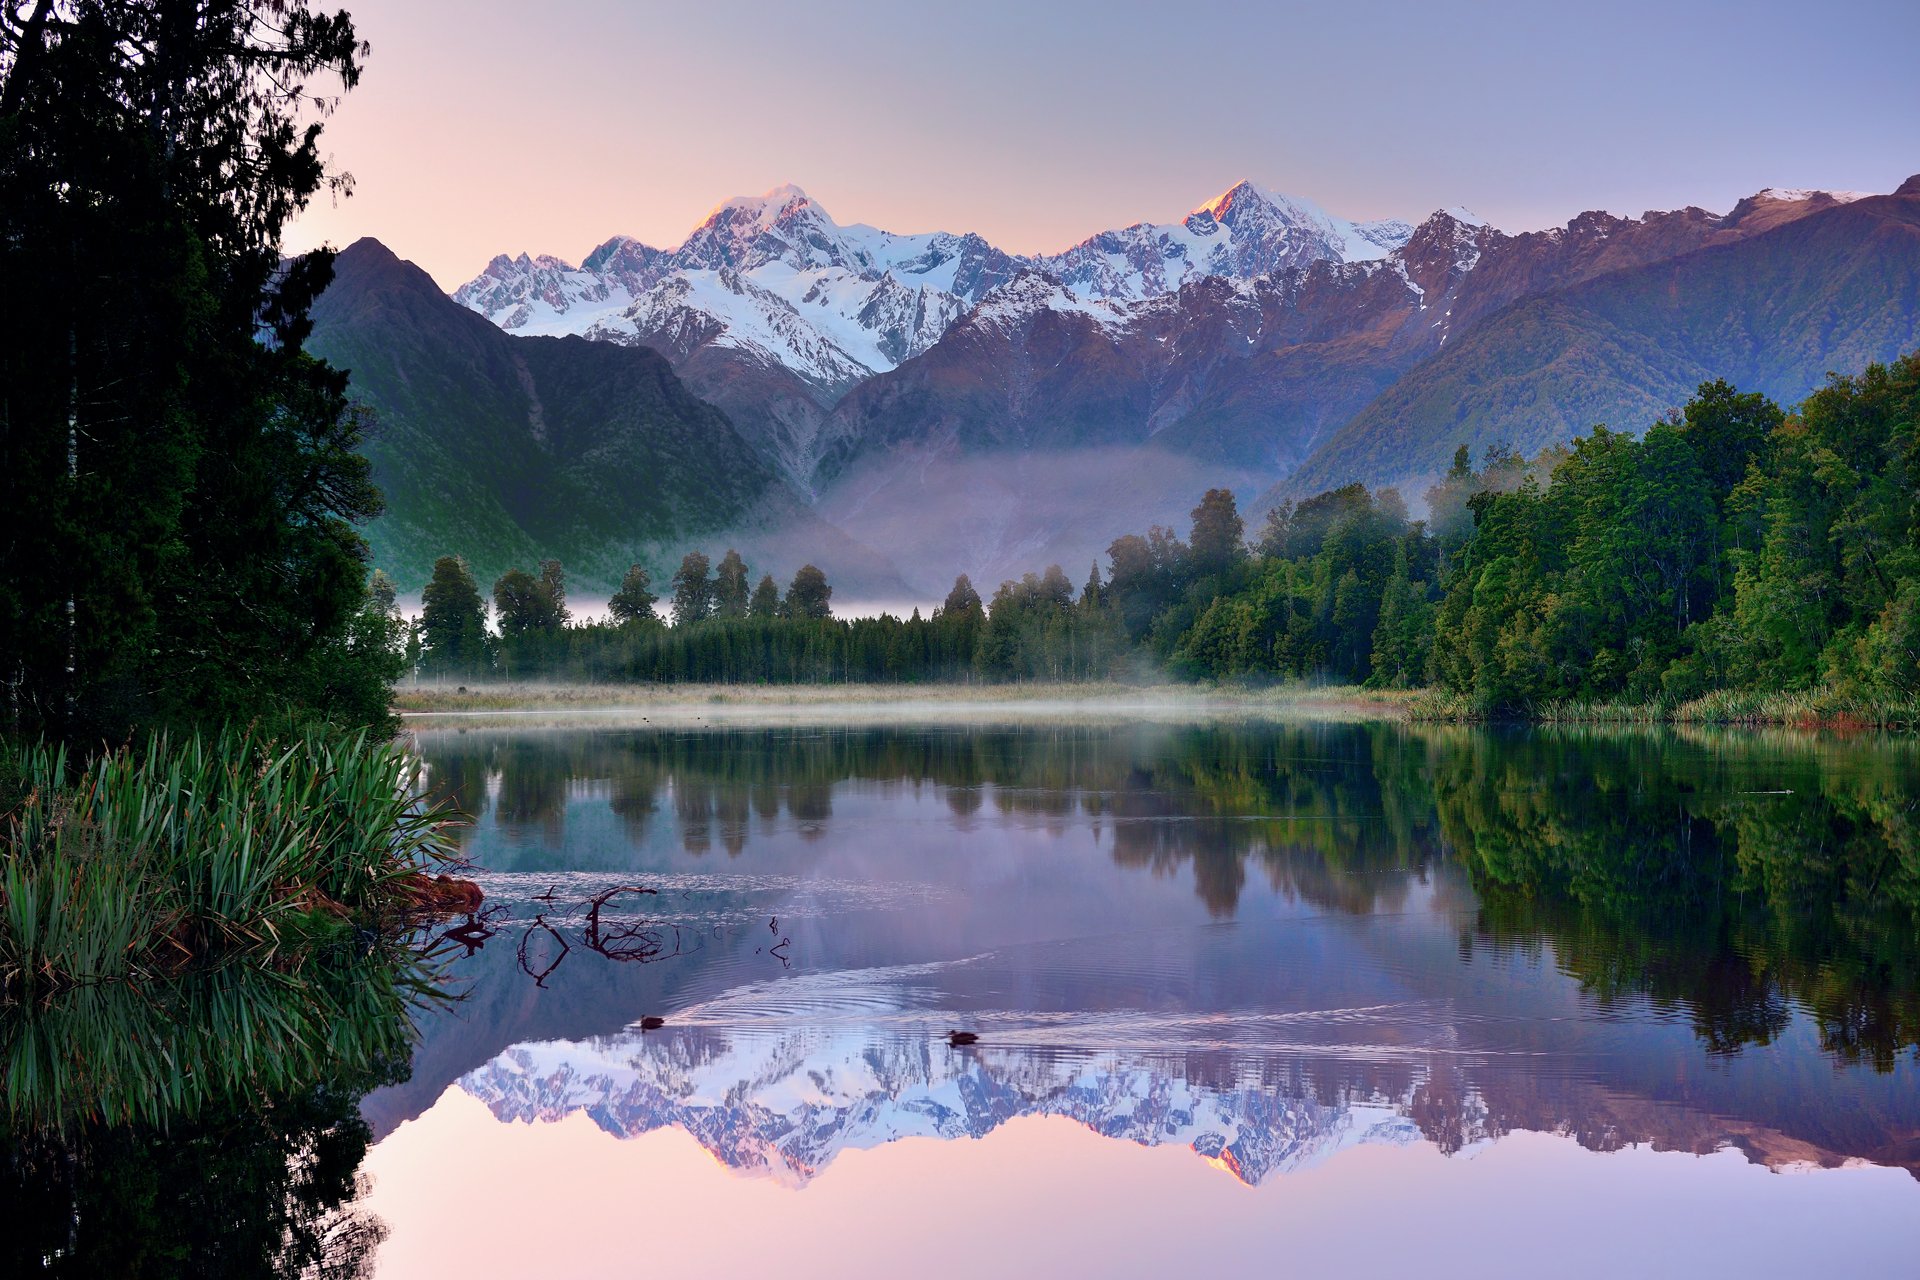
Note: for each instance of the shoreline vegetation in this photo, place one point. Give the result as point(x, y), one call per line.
point(1813, 709)
point(685, 704)
point(207, 847)
point(1731, 564)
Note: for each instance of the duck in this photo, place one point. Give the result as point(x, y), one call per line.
point(962, 1037)
point(652, 1023)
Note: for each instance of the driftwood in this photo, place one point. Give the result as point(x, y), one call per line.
point(641, 941)
point(540, 978)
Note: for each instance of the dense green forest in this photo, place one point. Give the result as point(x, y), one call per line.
point(180, 482)
point(1730, 547)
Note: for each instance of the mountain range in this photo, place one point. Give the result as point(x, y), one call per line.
point(901, 408)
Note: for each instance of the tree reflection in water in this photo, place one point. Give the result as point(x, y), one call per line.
point(208, 1126)
point(1730, 875)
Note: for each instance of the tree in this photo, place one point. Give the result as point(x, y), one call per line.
point(1055, 588)
point(692, 590)
point(178, 481)
point(962, 598)
point(520, 606)
point(766, 598)
point(808, 594)
point(1727, 429)
point(1215, 543)
point(553, 592)
point(730, 599)
point(634, 601)
point(1092, 595)
point(452, 620)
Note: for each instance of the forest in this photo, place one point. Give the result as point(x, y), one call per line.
point(1730, 549)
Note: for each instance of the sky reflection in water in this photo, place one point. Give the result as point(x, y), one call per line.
point(1374, 974)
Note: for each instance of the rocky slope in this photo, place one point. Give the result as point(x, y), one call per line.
point(1834, 288)
point(969, 410)
point(508, 449)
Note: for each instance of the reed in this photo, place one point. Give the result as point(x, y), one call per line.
point(189, 848)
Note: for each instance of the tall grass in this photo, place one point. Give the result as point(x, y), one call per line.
point(190, 847)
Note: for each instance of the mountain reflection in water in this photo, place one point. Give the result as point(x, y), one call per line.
point(1265, 942)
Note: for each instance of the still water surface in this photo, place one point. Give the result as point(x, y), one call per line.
point(1313, 998)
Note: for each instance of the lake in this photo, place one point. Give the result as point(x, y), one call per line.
point(1353, 998)
point(1343, 997)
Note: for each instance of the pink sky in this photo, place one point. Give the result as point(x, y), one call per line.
point(490, 127)
point(1049, 1197)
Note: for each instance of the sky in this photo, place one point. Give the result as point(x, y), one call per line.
point(482, 126)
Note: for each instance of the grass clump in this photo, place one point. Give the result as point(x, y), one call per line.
point(199, 846)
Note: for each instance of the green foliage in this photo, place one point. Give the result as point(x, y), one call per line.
point(453, 632)
point(809, 595)
point(207, 1125)
point(692, 590)
point(766, 598)
point(730, 596)
point(179, 481)
point(200, 845)
point(635, 599)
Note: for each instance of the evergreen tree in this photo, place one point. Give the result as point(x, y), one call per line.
point(766, 598)
point(1055, 587)
point(520, 604)
point(808, 595)
point(452, 620)
point(634, 601)
point(692, 590)
point(730, 597)
point(553, 593)
point(962, 598)
point(1091, 594)
point(178, 482)
point(1215, 544)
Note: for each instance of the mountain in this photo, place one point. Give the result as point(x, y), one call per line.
point(769, 309)
point(1241, 234)
point(969, 410)
point(508, 449)
point(772, 311)
point(783, 1107)
point(1826, 284)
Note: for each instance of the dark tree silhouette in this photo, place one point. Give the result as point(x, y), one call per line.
point(692, 590)
point(634, 601)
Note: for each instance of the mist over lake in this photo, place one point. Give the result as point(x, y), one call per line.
point(1203, 960)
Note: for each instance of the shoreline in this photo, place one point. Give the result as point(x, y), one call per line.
point(690, 704)
point(704, 703)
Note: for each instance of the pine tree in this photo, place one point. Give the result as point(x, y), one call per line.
point(962, 598)
point(178, 482)
point(634, 601)
point(808, 595)
point(692, 590)
point(1091, 594)
point(452, 620)
point(730, 597)
point(766, 599)
point(1214, 544)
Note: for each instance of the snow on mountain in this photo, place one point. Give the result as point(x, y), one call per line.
point(783, 1105)
point(1795, 195)
point(1032, 291)
point(774, 277)
point(1241, 234)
